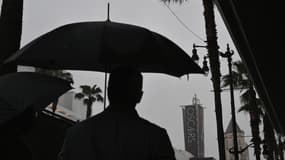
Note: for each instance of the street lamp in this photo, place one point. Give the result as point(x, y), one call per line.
point(228, 54)
point(205, 67)
point(231, 150)
point(196, 58)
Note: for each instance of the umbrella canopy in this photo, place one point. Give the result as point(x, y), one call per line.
point(102, 46)
point(26, 89)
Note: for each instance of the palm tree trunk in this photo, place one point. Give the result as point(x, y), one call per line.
point(10, 31)
point(212, 47)
point(280, 148)
point(269, 145)
point(89, 110)
point(254, 122)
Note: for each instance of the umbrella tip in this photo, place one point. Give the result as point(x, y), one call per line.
point(108, 12)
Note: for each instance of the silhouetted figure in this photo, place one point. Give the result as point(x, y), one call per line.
point(12, 144)
point(119, 133)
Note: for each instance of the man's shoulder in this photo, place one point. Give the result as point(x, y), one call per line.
point(86, 124)
point(150, 125)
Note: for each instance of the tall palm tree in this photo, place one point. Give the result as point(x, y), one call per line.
point(89, 95)
point(250, 102)
point(269, 142)
point(10, 31)
point(56, 73)
point(280, 147)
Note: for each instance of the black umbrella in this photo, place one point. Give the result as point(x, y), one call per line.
point(102, 46)
point(27, 89)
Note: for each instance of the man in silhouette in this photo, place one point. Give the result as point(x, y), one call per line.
point(12, 136)
point(119, 133)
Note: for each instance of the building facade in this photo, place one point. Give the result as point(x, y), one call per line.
point(70, 107)
point(193, 122)
point(241, 143)
point(182, 154)
point(206, 158)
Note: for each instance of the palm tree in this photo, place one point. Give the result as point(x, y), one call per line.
point(280, 147)
point(10, 31)
point(250, 103)
point(56, 73)
point(89, 95)
point(269, 142)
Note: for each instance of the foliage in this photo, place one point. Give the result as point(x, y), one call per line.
point(249, 101)
point(89, 95)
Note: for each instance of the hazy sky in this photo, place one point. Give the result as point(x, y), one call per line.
point(163, 94)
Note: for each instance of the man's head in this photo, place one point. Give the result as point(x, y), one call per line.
point(125, 86)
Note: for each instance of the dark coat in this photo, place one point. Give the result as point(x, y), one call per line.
point(117, 135)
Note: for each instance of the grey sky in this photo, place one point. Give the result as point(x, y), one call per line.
point(163, 94)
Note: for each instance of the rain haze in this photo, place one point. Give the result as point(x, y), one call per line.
point(163, 94)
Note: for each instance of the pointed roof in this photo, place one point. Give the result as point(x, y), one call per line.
point(230, 128)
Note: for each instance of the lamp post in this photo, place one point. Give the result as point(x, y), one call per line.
point(241, 150)
point(213, 56)
point(228, 54)
point(195, 57)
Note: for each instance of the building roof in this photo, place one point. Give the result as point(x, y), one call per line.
point(230, 128)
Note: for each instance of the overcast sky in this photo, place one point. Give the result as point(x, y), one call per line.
point(163, 94)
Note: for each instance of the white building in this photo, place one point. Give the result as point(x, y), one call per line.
point(241, 143)
point(182, 155)
point(71, 107)
point(67, 106)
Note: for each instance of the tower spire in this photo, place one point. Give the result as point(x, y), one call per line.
point(195, 100)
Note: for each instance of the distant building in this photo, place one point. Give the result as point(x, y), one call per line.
point(205, 158)
point(193, 120)
point(182, 155)
point(67, 106)
point(70, 107)
point(241, 142)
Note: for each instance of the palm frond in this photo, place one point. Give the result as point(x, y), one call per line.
point(239, 67)
point(248, 107)
point(96, 91)
point(226, 81)
point(92, 99)
point(86, 89)
point(79, 95)
point(90, 94)
point(245, 83)
point(86, 101)
point(99, 98)
point(245, 97)
point(94, 87)
point(245, 108)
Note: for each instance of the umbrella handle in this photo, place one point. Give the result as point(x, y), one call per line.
point(105, 90)
point(105, 87)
